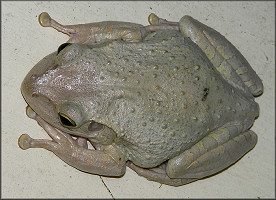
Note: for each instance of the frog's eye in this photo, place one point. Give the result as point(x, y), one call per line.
point(65, 120)
point(61, 47)
point(70, 114)
point(94, 126)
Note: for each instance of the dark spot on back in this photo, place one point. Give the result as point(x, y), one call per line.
point(205, 94)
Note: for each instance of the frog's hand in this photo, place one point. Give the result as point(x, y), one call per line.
point(108, 163)
point(215, 152)
point(224, 56)
point(95, 32)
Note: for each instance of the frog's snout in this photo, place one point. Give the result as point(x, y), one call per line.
point(34, 89)
point(29, 86)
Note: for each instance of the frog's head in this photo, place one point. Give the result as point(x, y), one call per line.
point(63, 91)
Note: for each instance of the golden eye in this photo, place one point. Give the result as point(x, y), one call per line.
point(65, 120)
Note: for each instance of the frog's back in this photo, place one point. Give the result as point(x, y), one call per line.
point(168, 93)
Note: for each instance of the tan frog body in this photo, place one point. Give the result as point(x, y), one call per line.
point(174, 101)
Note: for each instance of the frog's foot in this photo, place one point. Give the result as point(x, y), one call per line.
point(223, 55)
point(155, 20)
point(108, 163)
point(158, 174)
point(45, 20)
point(157, 24)
point(213, 153)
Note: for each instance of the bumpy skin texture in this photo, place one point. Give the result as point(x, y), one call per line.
point(155, 97)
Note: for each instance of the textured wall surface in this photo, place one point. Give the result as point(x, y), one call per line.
point(38, 173)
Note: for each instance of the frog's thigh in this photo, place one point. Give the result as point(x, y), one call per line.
point(212, 154)
point(223, 55)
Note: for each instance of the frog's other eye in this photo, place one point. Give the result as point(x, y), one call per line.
point(66, 121)
point(61, 47)
point(94, 126)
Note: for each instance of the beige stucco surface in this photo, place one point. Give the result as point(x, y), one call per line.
point(37, 173)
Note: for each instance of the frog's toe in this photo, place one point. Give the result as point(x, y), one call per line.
point(30, 112)
point(44, 19)
point(24, 141)
point(153, 19)
point(162, 23)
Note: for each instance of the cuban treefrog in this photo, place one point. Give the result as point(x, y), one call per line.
point(174, 101)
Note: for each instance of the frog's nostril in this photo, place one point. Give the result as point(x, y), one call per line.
point(61, 47)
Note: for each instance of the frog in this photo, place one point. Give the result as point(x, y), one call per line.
point(173, 101)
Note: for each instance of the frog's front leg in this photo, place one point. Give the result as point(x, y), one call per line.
point(95, 32)
point(101, 31)
point(109, 162)
point(108, 30)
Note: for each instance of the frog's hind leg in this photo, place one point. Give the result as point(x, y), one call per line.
point(213, 153)
point(158, 174)
point(223, 55)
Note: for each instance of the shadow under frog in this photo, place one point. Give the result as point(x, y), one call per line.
point(173, 101)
